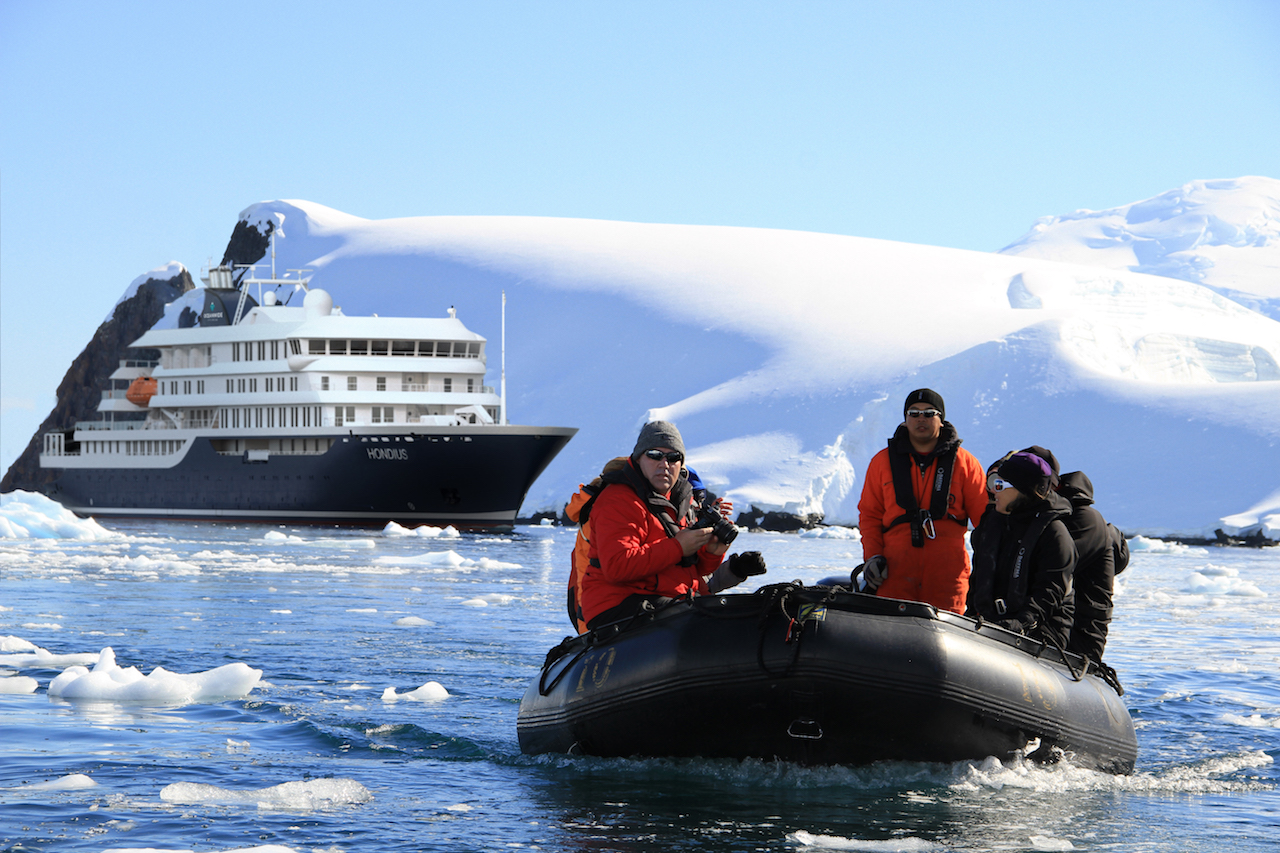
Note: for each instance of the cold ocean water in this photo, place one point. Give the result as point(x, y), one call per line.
point(328, 753)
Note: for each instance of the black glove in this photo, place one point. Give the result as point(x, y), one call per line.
point(874, 571)
point(1026, 626)
point(746, 564)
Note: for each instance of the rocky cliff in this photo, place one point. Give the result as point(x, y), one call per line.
point(81, 388)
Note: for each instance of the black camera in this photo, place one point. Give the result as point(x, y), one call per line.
point(721, 528)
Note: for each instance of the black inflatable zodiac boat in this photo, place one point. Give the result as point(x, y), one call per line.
point(819, 675)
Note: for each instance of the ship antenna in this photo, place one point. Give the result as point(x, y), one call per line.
point(504, 358)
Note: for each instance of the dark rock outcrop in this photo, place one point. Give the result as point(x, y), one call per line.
point(247, 245)
point(778, 522)
point(81, 388)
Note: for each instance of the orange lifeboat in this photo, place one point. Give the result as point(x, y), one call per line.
point(141, 390)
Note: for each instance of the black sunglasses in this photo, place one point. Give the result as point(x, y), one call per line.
point(673, 457)
point(923, 413)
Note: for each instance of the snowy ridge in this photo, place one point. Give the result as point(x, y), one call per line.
point(784, 356)
point(1225, 234)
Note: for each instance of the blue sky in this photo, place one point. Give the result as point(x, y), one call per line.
point(132, 133)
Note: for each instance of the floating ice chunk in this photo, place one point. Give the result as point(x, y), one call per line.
point(486, 563)
point(278, 538)
point(109, 682)
point(1044, 842)
point(71, 782)
point(1220, 580)
point(432, 691)
point(29, 515)
point(413, 622)
point(831, 533)
point(446, 560)
point(289, 796)
point(890, 845)
point(1156, 546)
point(425, 531)
point(490, 598)
point(25, 654)
point(15, 685)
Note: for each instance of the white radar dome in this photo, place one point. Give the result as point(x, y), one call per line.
point(269, 298)
point(318, 303)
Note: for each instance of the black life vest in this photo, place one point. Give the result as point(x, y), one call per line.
point(921, 520)
point(986, 560)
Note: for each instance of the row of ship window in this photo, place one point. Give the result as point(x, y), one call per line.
point(271, 350)
point(436, 349)
point(275, 384)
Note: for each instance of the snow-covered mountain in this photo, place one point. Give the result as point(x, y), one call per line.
point(784, 356)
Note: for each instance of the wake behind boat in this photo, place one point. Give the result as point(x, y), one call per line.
point(255, 410)
point(818, 675)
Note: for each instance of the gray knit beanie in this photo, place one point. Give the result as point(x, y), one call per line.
point(658, 434)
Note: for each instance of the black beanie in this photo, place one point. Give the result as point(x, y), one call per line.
point(658, 434)
point(925, 395)
point(1027, 473)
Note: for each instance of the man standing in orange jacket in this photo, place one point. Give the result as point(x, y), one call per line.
point(919, 496)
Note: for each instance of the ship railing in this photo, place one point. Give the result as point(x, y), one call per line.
point(103, 425)
point(54, 444)
point(440, 387)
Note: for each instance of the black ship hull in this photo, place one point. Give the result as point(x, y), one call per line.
point(474, 478)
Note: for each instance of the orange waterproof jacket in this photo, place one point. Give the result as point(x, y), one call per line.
point(938, 573)
point(630, 554)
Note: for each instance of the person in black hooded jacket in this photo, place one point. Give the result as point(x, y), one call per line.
point(1023, 554)
point(1095, 573)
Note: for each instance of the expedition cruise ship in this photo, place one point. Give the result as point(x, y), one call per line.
point(259, 411)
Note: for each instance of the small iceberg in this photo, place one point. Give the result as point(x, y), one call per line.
point(108, 682)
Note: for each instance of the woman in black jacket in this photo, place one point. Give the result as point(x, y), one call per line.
point(1023, 555)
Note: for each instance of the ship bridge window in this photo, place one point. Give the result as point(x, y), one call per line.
point(359, 347)
point(442, 348)
point(379, 347)
point(337, 347)
point(295, 346)
point(314, 347)
point(426, 347)
point(402, 347)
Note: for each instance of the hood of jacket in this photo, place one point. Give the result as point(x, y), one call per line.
point(1076, 487)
